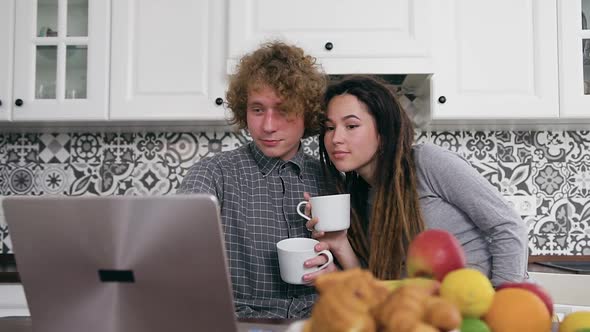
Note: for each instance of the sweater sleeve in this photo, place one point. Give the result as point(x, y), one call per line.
point(456, 181)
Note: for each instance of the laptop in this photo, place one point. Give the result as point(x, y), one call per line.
point(122, 263)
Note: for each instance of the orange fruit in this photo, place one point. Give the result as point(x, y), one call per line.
point(517, 309)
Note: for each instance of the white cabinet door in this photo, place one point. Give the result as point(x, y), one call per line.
point(6, 52)
point(61, 60)
point(167, 59)
point(348, 36)
point(574, 58)
point(495, 59)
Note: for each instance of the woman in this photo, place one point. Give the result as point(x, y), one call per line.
point(398, 189)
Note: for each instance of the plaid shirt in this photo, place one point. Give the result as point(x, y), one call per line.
point(258, 196)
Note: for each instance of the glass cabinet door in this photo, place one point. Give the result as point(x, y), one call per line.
point(58, 39)
point(574, 43)
point(586, 45)
point(6, 58)
point(48, 48)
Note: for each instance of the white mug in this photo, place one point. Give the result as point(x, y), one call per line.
point(333, 212)
point(293, 253)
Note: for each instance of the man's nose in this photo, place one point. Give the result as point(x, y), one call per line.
point(270, 121)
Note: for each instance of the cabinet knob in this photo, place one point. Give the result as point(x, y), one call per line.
point(329, 46)
point(19, 102)
point(442, 99)
point(219, 101)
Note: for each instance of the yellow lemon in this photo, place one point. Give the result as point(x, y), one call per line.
point(470, 290)
point(576, 321)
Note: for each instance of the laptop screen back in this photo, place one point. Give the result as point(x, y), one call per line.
point(122, 263)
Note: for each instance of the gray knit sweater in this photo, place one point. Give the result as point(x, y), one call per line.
point(456, 198)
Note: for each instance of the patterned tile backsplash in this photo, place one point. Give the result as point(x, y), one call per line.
point(553, 167)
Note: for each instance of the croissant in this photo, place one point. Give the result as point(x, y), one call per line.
point(402, 310)
point(345, 302)
point(442, 313)
point(413, 308)
point(354, 300)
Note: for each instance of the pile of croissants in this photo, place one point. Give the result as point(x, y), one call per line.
point(354, 300)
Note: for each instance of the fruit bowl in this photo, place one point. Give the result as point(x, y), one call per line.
point(296, 326)
point(299, 325)
point(423, 282)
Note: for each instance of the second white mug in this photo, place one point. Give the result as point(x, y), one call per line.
point(293, 253)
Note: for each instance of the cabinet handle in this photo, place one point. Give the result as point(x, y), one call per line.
point(442, 99)
point(219, 101)
point(19, 102)
point(0, 102)
point(329, 46)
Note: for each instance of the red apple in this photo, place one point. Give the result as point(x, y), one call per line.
point(535, 288)
point(434, 253)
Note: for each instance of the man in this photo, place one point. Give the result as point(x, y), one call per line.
point(276, 95)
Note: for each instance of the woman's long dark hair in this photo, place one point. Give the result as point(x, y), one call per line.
point(381, 242)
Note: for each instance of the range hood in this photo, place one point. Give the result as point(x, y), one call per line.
point(412, 91)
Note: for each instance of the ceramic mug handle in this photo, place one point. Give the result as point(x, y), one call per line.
point(328, 254)
point(299, 210)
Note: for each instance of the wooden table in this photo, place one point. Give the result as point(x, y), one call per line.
point(23, 324)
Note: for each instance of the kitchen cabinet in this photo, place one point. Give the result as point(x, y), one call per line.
point(163, 60)
point(574, 58)
point(373, 36)
point(167, 60)
point(6, 51)
point(138, 61)
point(495, 60)
point(61, 52)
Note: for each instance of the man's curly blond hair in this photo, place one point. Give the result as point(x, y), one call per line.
point(296, 78)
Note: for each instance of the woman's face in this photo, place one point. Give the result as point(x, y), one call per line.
point(351, 137)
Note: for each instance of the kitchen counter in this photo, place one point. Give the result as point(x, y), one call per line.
point(9, 273)
point(560, 264)
point(9, 277)
point(24, 324)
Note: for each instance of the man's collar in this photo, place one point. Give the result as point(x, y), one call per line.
point(267, 164)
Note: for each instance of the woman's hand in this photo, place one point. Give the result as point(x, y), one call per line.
point(336, 242)
point(318, 261)
point(307, 211)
